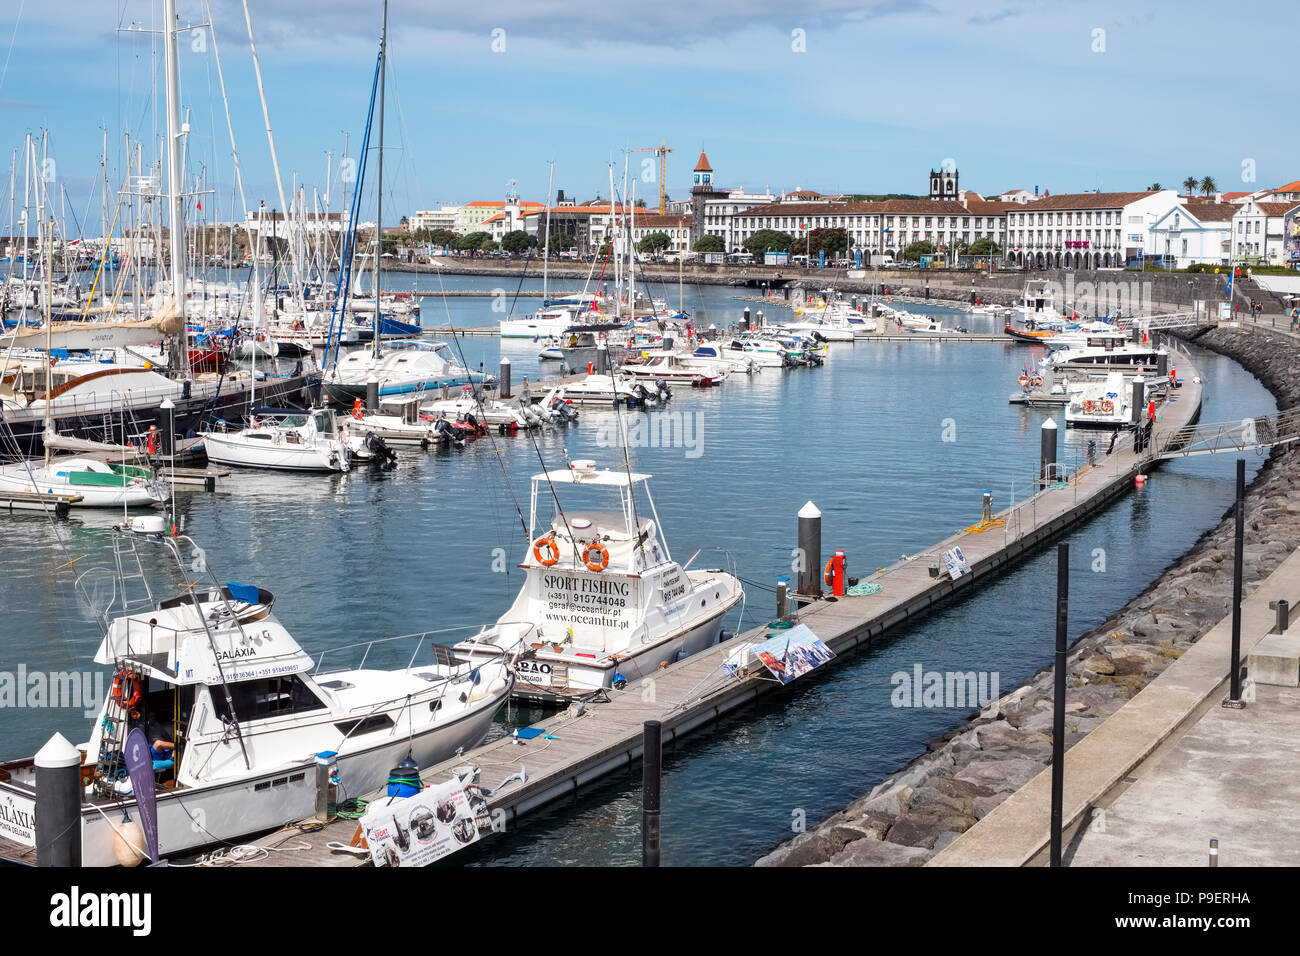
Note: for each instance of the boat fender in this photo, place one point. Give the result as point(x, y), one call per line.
point(619, 682)
point(127, 841)
point(497, 686)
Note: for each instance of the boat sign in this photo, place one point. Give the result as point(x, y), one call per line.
point(18, 818)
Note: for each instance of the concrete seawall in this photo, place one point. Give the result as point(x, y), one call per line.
point(926, 805)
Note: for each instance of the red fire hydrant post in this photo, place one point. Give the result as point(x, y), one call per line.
point(835, 576)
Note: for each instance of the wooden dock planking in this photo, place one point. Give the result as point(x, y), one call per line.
point(696, 691)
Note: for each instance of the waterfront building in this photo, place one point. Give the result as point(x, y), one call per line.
point(676, 227)
point(702, 192)
point(1258, 233)
point(1194, 233)
point(943, 185)
point(434, 219)
point(1085, 230)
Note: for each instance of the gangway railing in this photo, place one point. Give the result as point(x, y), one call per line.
point(1246, 434)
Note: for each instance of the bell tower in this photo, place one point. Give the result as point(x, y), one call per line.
point(943, 184)
point(701, 191)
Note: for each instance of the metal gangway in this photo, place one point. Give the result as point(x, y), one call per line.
point(1233, 437)
point(1172, 320)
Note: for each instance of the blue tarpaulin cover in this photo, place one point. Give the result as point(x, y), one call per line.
point(242, 592)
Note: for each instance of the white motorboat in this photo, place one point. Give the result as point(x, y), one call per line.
point(397, 422)
point(1106, 403)
point(673, 367)
point(492, 412)
point(603, 602)
point(543, 323)
point(716, 352)
point(284, 439)
point(96, 482)
point(741, 349)
point(249, 715)
point(1109, 354)
point(404, 367)
point(593, 390)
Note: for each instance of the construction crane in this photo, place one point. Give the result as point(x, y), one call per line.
point(662, 152)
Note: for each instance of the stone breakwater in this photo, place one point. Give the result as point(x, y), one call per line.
point(966, 773)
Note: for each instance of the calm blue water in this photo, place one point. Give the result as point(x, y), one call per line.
point(358, 556)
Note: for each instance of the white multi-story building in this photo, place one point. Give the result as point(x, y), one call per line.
point(509, 217)
point(1085, 230)
point(433, 219)
point(1017, 195)
point(1194, 233)
point(677, 228)
point(1258, 233)
point(880, 228)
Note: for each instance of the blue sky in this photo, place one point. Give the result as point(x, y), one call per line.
point(838, 96)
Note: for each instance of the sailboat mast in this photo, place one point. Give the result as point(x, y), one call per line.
point(379, 211)
point(176, 187)
point(546, 241)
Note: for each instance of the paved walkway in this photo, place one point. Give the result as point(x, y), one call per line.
point(1017, 830)
point(1232, 776)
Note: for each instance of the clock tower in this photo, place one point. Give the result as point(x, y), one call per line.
point(701, 191)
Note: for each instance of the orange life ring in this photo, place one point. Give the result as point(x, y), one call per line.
point(827, 574)
point(1023, 380)
point(356, 408)
point(602, 552)
point(1107, 407)
point(153, 438)
point(548, 542)
point(1036, 381)
point(1088, 406)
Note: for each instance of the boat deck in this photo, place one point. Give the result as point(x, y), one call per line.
point(575, 751)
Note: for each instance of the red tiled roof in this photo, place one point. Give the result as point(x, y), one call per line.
point(1289, 188)
point(1211, 211)
point(1228, 197)
point(703, 165)
point(1085, 201)
point(654, 219)
point(1276, 208)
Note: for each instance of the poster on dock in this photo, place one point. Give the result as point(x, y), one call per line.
point(792, 653)
point(416, 831)
point(955, 562)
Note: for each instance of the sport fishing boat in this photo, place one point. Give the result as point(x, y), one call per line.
point(603, 602)
point(285, 439)
point(246, 713)
point(403, 367)
point(673, 367)
point(1100, 404)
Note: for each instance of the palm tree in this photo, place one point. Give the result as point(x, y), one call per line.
point(1209, 186)
point(1190, 184)
point(1155, 187)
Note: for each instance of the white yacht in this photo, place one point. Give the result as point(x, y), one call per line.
point(603, 602)
point(1107, 403)
point(592, 390)
point(404, 367)
point(248, 712)
point(285, 439)
point(1103, 353)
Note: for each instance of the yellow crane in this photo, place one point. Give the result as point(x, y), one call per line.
point(662, 152)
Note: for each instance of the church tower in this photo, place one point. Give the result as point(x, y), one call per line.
point(701, 190)
point(943, 185)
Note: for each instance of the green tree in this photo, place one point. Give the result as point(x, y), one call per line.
point(916, 250)
point(709, 244)
point(768, 240)
point(654, 242)
point(831, 241)
point(442, 237)
point(560, 241)
point(983, 247)
point(1155, 187)
point(1209, 186)
point(1190, 184)
point(476, 242)
point(517, 241)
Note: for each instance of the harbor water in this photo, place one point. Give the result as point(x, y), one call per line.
point(894, 442)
